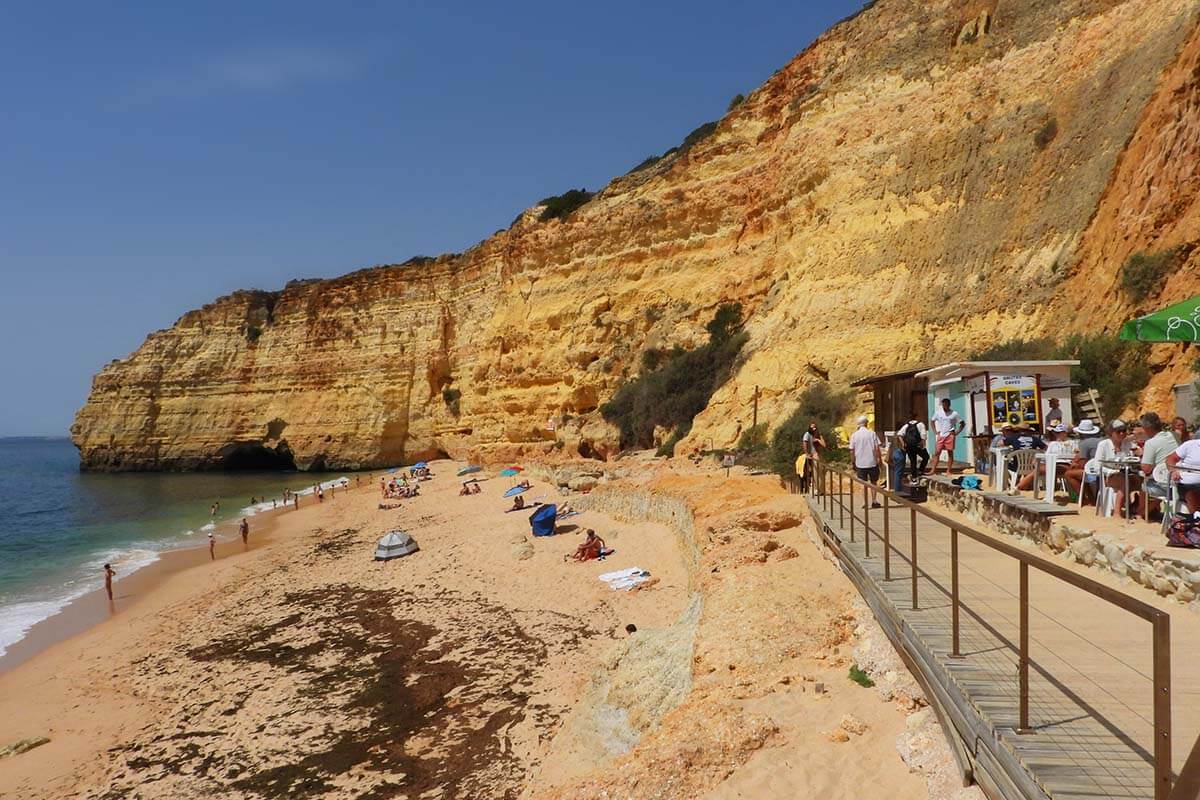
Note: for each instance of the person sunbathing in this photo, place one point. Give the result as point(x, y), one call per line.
point(475, 488)
point(591, 548)
point(518, 503)
point(464, 491)
point(524, 485)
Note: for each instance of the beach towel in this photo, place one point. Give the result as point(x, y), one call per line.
point(625, 579)
point(568, 514)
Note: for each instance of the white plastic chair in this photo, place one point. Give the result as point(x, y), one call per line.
point(1026, 463)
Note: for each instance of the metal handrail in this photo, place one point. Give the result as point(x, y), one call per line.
point(1188, 783)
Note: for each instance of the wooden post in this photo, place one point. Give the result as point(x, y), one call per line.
point(912, 521)
point(1162, 707)
point(954, 652)
point(866, 522)
point(1023, 654)
point(887, 545)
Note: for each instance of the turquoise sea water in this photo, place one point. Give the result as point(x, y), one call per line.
point(59, 526)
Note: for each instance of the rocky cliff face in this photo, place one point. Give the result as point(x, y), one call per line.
point(926, 178)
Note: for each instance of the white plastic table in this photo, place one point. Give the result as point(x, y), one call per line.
point(999, 466)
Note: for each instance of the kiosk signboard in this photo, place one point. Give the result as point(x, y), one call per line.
point(1014, 399)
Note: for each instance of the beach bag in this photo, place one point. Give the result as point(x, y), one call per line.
point(1183, 532)
point(912, 435)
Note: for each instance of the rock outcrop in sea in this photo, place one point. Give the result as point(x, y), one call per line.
point(923, 180)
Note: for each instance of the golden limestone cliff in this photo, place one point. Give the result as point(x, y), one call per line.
point(927, 178)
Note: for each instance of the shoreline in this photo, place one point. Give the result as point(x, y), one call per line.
point(92, 608)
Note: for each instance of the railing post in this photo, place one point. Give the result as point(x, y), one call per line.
point(852, 509)
point(841, 502)
point(1162, 707)
point(887, 545)
point(866, 522)
point(954, 652)
point(912, 522)
point(1023, 654)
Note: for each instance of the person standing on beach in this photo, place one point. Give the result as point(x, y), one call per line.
point(245, 529)
point(212, 547)
point(296, 500)
point(212, 512)
point(947, 425)
point(109, 572)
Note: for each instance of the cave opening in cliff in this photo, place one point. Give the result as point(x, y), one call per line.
point(253, 456)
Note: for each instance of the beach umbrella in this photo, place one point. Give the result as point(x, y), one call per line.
point(515, 468)
point(420, 465)
point(468, 470)
point(395, 544)
point(542, 521)
point(1177, 323)
point(515, 490)
point(508, 473)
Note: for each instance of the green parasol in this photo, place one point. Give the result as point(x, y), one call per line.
point(1178, 323)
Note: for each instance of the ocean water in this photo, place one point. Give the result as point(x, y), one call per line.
point(58, 527)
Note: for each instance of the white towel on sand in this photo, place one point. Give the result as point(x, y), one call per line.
point(625, 578)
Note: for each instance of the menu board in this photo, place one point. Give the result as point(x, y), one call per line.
point(1014, 399)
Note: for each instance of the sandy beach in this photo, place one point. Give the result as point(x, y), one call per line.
point(481, 666)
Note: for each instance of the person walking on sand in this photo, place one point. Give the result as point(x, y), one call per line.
point(245, 529)
point(212, 547)
point(296, 500)
point(947, 425)
point(109, 572)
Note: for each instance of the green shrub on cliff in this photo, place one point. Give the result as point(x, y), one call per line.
point(676, 385)
point(820, 403)
point(451, 398)
point(560, 206)
point(1143, 274)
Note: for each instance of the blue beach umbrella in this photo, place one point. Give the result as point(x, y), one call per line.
point(515, 490)
point(508, 473)
point(420, 465)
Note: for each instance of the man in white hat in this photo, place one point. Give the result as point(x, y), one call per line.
point(864, 447)
point(1089, 438)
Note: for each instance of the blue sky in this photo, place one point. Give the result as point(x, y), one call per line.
point(156, 157)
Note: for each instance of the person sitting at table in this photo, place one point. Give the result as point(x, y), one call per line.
point(1179, 428)
point(1022, 437)
point(1117, 447)
point(1184, 466)
point(1061, 448)
point(1089, 439)
point(1155, 477)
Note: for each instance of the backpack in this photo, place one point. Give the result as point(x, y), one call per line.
point(1184, 532)
point(912, 435)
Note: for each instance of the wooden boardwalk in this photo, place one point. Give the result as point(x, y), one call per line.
point(1091, 678)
